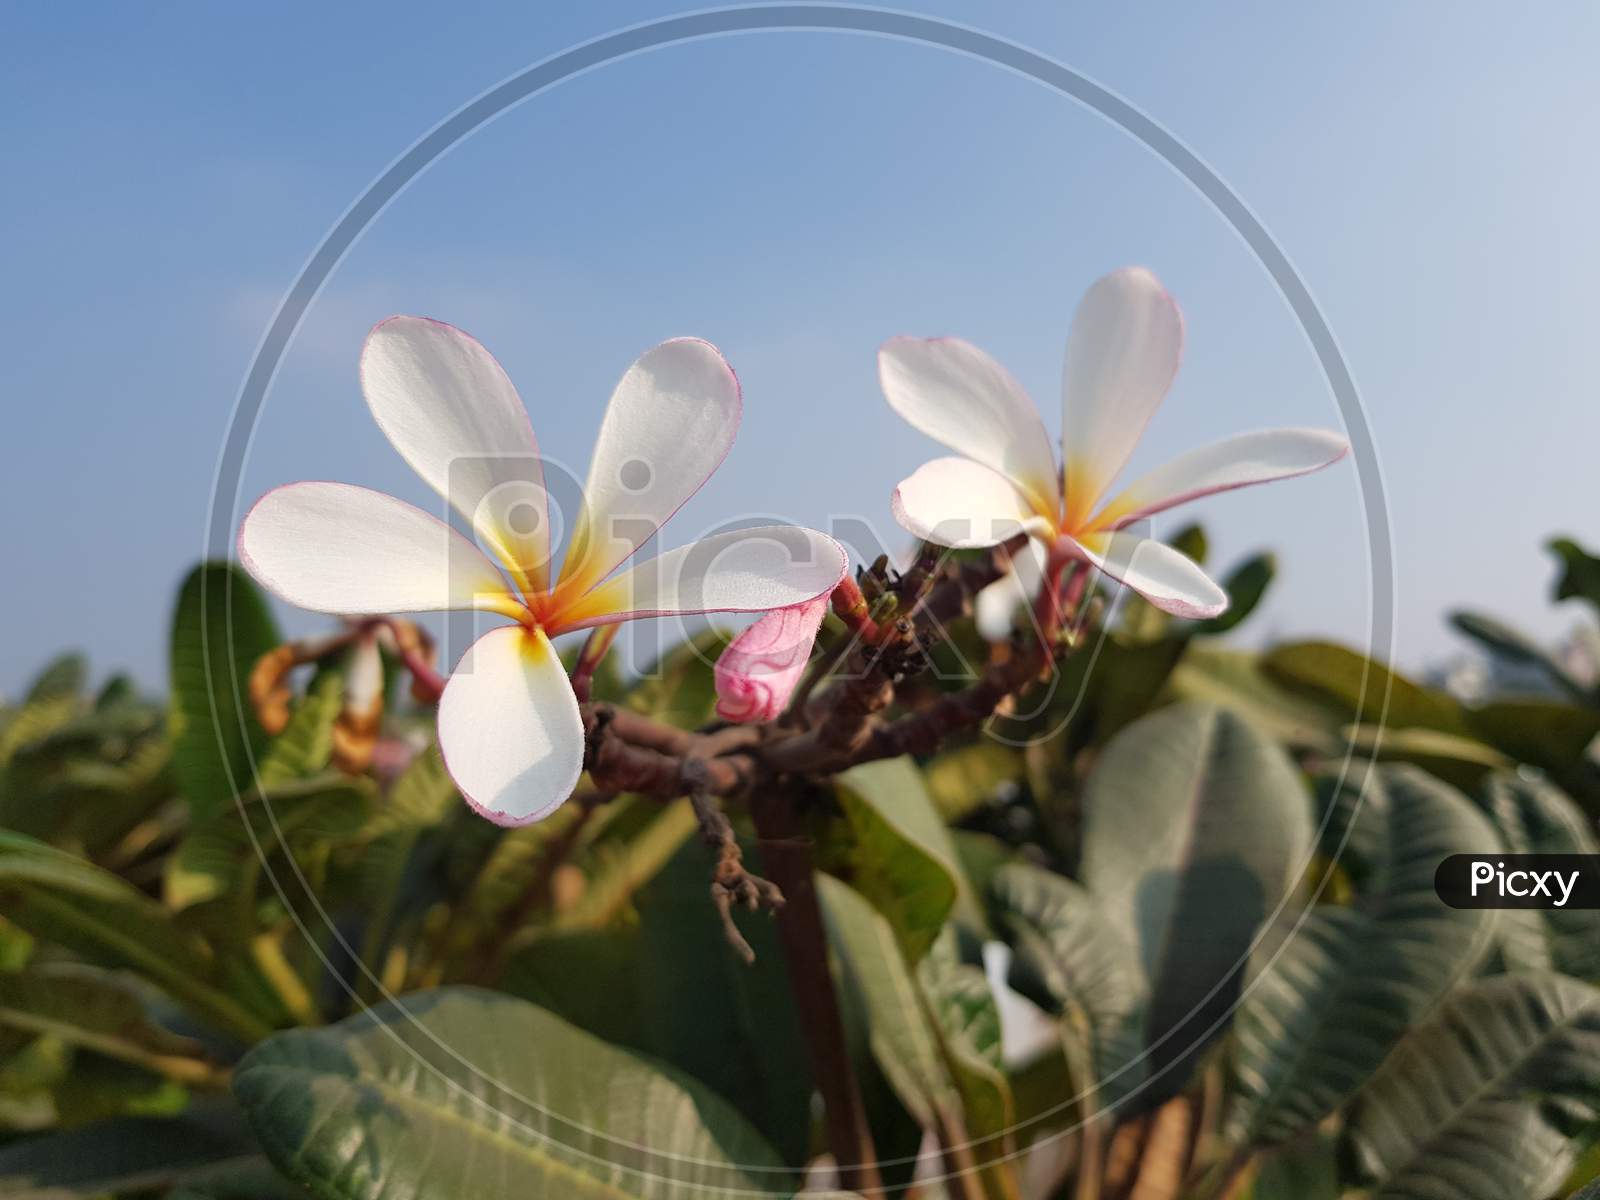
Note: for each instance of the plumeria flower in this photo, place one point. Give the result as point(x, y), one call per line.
point(510, 730)
point(758, 672)
point(1122, 354)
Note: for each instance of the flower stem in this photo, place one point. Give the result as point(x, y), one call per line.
point(594, 649)
point(786, 855)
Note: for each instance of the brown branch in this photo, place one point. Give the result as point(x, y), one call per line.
point(731, 883)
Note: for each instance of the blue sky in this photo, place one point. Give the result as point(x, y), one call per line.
point(796, 198)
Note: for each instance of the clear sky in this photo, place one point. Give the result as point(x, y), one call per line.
point(795, 198)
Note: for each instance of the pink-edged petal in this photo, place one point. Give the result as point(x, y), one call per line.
point(338, 548)
point(1122, 353)
point(670, 423)
point(1234, 462)
point(452, 413)
point(509, 729)
point(995, 607)
point(1169, 579)
point(957, 502)
point(758, 672)
point(958, 395)
point(744, 570)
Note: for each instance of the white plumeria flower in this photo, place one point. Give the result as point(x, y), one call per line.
point(1122, 355)
point(510, 730)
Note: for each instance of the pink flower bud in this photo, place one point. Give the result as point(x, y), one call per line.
point(758, 671)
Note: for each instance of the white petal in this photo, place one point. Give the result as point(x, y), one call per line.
point(958, 395)
point(451, 412)
point(337, 548)
point(1232, 463)
point(745, 570)
point(1169, 579)
point(1122, 354)
point(509, 729)
point(670, 423)
point(957, 502)
point(995, 607)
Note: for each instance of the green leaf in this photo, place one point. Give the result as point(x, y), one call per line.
point(1580, 572)
point(1246, 584)
point(58, 897)
point(422, 800)
point(224, 855)
point(899, 1031)
point(1191, 540)
point(1357, 686)
point(1327, 1004)
point(730, 1024)
point(590, 978)
point(237, 1179)
point(619, 867)
point(1535, 818)
point(62, 679)
point(967, 1021)
point(221, 627)
point(896, 851)
point(1307, 1169)
point(1516, 647)
point(1195, 830)
point(1512, 1067)
point(306, 744)
point(1459, 761)
point(1542, 732)
point(1067, 958)
point(136, 1154)
point(1233, 679)
point(97, 1011)
point(460, 1092)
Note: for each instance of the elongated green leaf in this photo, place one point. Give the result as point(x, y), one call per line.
point(60, 898)
point(1357, 685)
point(1326, 1006)
point(251, 1178)
point(460, 1092)
point(1195, 830)
point(967, 1020)
point(902, 1038)
point(1459, 761)
point(97, 1011)
point(306, 743)
point(730, 1024)
point(223, 855)
point(1512, 1071)
point(1516, 647)
point(1246, 584)
point(1542, 732)
point(1070, 960)
point(1535, 818)
point(1233, 679)
point(221, 627)
point(927, 1031)
point(61, 679)
point(421, 801)
point(1580, 572)
point(136, 1154)
point(896, 851)
point(590, 978)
